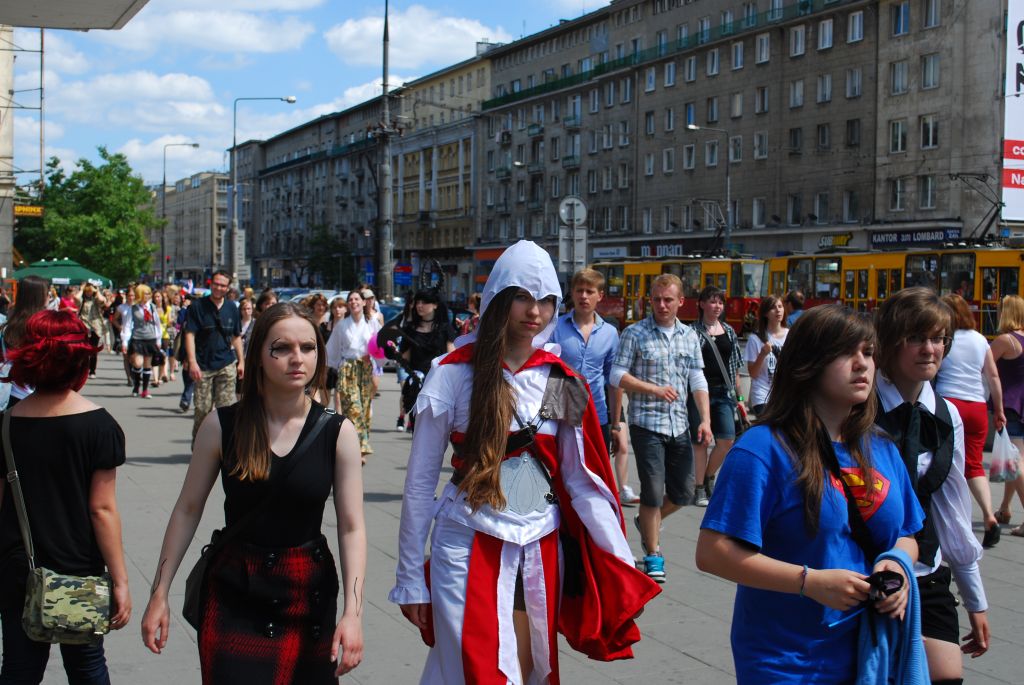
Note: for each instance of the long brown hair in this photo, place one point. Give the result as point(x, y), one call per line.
point(767, 303)
point(251, 459)
point(32, 294)
point(490, 412)
point(819, 337)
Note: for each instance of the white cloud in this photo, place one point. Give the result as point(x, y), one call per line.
point(147, 157)
point(575, 8)
point(419, 36)
point(353, 96)
point(26, 147)
point(211, 31)
point(245, 5)
point(60, 54)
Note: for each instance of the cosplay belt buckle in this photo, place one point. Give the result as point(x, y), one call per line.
point(524, 484)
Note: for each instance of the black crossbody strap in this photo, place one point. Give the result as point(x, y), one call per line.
point(216, 319)
point(858, 528)
point(231, 532)
point(721, 364)
point(19, 496)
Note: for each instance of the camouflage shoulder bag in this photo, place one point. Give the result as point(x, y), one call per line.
point(71, 610)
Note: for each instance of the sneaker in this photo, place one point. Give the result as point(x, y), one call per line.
point(145, 395)
point(92, 375)
point(700, 497)
point(135, 393)
point(183, 406)
point(654, 567)
point(400, 425)
point(628, 497)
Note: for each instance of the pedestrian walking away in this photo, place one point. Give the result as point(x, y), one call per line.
point(1008, 351)
point(66, 451)
point(659, 364)
point(213, 348)
point(806, 501)
point(528, 536)
point(267, 606)
point(91, 312)
point(913, 338)
point(347, 351)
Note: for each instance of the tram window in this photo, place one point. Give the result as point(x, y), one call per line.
point(736, 280)
point(689, 274)
point(778, 283)
point(800, 274)
point(895, 280)
point(862, 284)
point(613, 281)
point(826, 277)
point(958, 274)
point(850, 280)
point(988, 284)
point(1008, 283)
point(883, 284)
point(922, 270)
point(753, 274)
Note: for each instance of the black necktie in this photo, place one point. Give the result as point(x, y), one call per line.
point(915, 430)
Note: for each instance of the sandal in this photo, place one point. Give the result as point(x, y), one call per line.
point(1003, 515)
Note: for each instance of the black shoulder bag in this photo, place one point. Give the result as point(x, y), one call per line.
point(195, 584)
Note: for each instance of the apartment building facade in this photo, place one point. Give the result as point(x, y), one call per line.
point(762, 126)
point(196, 213)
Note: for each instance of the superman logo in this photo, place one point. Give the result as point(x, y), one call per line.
point(869, 496)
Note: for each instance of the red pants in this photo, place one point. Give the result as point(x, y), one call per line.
point(975, 418)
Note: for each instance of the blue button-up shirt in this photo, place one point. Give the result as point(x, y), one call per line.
point(648, 354)
point(591, 358)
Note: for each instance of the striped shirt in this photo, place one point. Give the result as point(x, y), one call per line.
point(648, 354)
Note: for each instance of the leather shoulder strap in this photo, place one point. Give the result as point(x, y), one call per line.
point(718, 358)
point(19, 496)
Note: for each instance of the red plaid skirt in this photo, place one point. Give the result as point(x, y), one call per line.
point(268, 616)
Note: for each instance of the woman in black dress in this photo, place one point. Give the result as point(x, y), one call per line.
point(271, 595)
point(425, 335)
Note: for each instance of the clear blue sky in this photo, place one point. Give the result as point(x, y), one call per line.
point(172, 73)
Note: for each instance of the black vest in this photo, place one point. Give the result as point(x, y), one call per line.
point(894, 423)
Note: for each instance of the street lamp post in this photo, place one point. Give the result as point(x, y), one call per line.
point(290, 99)
point(728, 180)
point(163, 211)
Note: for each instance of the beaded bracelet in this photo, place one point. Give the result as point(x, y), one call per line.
point(803, 580)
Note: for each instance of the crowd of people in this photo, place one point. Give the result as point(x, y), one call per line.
point(846, 507)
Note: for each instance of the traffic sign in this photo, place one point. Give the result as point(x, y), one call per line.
point(573, 211)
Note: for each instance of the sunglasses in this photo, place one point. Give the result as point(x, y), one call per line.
point(883, 584)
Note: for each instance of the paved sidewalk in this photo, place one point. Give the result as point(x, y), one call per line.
point(686, 629)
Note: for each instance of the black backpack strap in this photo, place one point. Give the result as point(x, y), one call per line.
point(858, 528)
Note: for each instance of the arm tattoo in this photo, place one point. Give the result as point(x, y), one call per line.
point(159, 573)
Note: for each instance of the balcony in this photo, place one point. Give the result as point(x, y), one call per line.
point(535, 205)
point(571, 162)
point(503, 172)
point(535, 168)
point(503, 208)
point(572, 122)
point(535, 130)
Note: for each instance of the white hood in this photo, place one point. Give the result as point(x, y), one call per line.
point(528, 266)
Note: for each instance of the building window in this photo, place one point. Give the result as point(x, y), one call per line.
point(690, 69)
point(758, 213)
point(555, 149)
point(796, 140)
point(556, 186)
point(649, 164)
point(796, 93)
point(899, 77)
point(775, 10)
point(689, 156)
point(825, 88)
point(735, 149)
point(761, 100)
point(650, 82)
point(623, 133)
point(592, 181)
point(900, 14)
point(898, 136)
point(712, 62)
point(821, 208)
point(761, 145)
point(690, 109)
point(930, 71)
point(670, 119)
point(609, 94)
point(825, 34)
point(627, 89)
point(712, 110)
point(851, 209)
point(855, 26)
point(749, 15)
point(645, 220)
point(897, 194)
point(794, 210)
point(797, 41)
point(668, 160)
point(763, 48)
point(703, 30)
point(736, 105)
point(929, 132)
point(608, 179)
point(649, 123)
point(926, 192)
point(854, 82)
point(853, 133)
point(623, 175)
point(623, 218)
point(595, 101)
point(727, 23)
point(666, 218)
point(683, 35)
point(711, 153)
point(670, 74)
point(824, 136)
point(737, 55)
point(932, 13)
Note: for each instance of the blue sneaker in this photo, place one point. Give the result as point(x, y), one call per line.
point(654, 567)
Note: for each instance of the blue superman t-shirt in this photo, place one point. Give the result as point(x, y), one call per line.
point(780, 637)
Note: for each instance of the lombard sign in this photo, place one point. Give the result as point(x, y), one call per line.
point(914, 237)
point(1013, 132)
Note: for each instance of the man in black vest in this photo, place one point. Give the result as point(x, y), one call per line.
point(213, 348)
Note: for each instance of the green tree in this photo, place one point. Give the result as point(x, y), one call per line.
point(98, 216)
point(331, 257)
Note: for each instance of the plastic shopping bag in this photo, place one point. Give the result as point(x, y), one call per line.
point(1005, 459)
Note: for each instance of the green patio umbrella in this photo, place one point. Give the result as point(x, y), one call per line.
point(62, 272)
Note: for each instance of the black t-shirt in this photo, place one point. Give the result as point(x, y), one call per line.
point(294, 516)
point(712, 372)
point(213, 349)
point(424, 347)
point(56, 458)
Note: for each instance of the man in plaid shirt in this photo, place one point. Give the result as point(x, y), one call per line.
point(658, 362)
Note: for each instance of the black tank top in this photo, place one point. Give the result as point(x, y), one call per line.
point(294, 516)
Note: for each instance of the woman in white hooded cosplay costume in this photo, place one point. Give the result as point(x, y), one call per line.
point(524, 540)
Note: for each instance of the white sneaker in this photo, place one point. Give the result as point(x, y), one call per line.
point(700, 497)
point(628, 497)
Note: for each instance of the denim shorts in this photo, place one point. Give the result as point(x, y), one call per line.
point(1014, 425)
point(665, 466)
point(723, 414)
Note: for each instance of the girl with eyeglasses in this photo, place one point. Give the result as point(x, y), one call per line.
point(913, 338)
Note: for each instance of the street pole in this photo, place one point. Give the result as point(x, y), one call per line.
point(387, 266)
point(290, 99)
point(728, 178)
point(163, 212)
